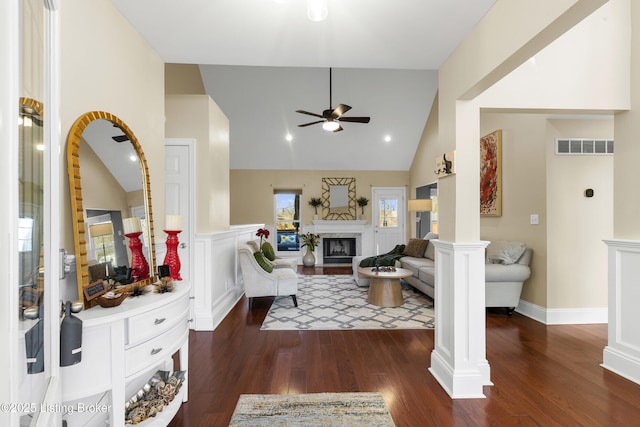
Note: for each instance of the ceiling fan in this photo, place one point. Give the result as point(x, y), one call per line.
point(331, 118)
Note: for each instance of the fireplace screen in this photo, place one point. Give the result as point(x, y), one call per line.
point(338, 250)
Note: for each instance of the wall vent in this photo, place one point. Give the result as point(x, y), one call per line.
point(584, 146)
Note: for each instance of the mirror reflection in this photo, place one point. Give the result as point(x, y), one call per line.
point(31, 196)
point(339, 196)
point(109, 174)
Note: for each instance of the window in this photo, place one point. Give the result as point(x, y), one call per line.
point(25, 234)
point(287, 203)
point(388, 213)
point(578, 146)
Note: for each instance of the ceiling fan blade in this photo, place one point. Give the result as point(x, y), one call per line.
point(120, 138)
point(309, 114)
point(340, 110)
point(309, 124)
point(339, 129)
point(355, 119)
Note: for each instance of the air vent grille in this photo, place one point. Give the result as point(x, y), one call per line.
point(584, 146)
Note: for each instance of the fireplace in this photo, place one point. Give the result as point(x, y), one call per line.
point(338, 250)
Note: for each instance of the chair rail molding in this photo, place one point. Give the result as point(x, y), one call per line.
point(622, 353)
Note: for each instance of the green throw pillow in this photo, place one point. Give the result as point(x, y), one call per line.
point(262, 260)
point(268, 251)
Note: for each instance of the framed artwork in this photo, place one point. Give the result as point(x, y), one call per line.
point(491, 174)
point(338, 198)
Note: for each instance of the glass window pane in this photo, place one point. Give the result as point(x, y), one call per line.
point(287, 221)
point(388, 216)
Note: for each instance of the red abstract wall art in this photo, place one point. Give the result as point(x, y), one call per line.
point(491, 174)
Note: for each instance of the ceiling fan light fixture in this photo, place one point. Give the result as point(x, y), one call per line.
point(330, 125)
point(317, 10)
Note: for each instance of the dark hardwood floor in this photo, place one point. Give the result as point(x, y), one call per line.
point(543, 375)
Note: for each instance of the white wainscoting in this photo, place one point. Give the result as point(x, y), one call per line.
point(217, 282)
point(622, 354)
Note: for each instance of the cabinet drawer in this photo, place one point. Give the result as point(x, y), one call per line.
point(147, 325)
point(153, 351)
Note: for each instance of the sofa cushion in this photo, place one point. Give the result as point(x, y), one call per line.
point(427, 275)
point(263, 262)
point(415, 247)
point(414, 264)
point(268, 251)
point(502, 252)
point(506, 273)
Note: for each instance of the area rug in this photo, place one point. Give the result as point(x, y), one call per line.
point(330, 302)
point(315, 409)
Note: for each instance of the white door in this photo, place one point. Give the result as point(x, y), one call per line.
point(388, 217)
point(179, 179)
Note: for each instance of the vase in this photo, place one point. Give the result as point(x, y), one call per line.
point(308, 260)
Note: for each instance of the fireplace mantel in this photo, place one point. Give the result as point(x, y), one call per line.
point(346, 226)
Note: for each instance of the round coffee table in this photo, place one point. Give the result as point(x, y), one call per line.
point(385, 289)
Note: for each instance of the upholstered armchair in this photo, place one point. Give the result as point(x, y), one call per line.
point(278, 262)
point(260, 283)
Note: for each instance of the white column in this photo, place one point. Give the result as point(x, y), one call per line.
point(622, 354)
point(458, 360)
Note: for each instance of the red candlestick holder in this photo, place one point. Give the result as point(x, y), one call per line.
point(139, 264)
point(171, 258)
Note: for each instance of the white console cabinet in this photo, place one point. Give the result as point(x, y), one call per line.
point(122, 347)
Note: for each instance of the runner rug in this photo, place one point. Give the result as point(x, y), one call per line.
point(330, 302)
point(315, 409)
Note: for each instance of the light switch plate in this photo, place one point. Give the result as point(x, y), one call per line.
point(535, 220)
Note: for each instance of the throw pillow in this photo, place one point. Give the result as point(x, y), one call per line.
point(502, 252)
point(254, 245)
point(415, 248)
point(268, 251)
point(430, 253)
point(263, 262)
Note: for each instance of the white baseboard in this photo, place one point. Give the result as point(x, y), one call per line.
point(563, 316)
point(209, 320)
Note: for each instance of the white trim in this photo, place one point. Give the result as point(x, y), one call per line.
point(564, 316)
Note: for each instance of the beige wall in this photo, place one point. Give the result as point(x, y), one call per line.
point(576, 225)
point(183, 79)
point(627, 156)
point(252, 190)
point(198, 117)
point(107, 66)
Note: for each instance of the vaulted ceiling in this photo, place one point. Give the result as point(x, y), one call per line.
point(261, 60)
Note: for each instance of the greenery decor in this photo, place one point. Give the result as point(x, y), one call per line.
point(262, 232)
point(315, 202)
point(362, 202)
point(310, 240)
point(268, 251)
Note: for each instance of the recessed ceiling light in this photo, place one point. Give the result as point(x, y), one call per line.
point(133, 158)
point(289, 137)
point(387, 138)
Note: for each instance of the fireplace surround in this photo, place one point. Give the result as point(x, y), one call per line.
point(338, 250)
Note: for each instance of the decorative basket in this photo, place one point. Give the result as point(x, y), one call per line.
point(106, 302)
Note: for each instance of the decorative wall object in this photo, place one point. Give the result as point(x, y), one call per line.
point(445, 165)
point(491, 174)
point(339, 198)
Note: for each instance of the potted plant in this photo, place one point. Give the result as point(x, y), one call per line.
point(310, 240)
point(315, 202)
point(262, 232)
point(362, 202)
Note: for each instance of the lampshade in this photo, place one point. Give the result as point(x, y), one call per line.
point(330, 125)
point(102, 229)
point(419, 205)
point(317, 10)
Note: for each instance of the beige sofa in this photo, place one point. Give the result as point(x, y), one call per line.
point(506, 270)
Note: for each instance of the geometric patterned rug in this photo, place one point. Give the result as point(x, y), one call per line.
point(332, 302)
point(314, 409)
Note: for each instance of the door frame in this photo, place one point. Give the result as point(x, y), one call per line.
point(189, 239)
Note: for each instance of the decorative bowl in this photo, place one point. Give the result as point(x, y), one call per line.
point(111, 299)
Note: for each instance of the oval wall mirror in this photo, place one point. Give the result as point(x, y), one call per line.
point(110, 194)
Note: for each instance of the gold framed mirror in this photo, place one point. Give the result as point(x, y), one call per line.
point(85, 212)
point(338, 198)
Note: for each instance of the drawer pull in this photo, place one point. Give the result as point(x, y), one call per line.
point(158, 321)
point(156, 351)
